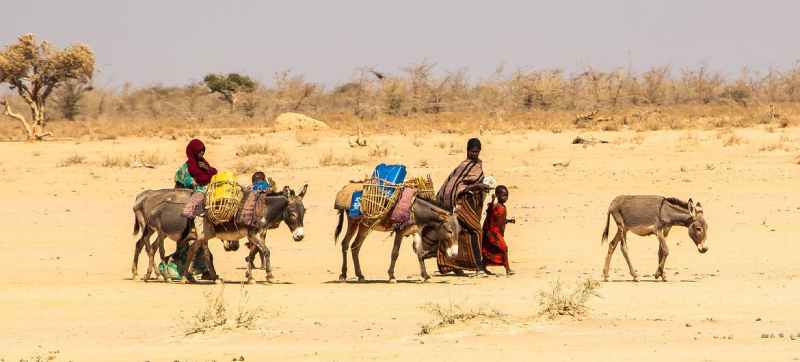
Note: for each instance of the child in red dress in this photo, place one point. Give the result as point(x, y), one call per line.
point(494, 247)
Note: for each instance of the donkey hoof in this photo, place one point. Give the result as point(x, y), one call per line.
point(185, 280)
point(219, 281)
point(392, 281)
point(426, 279)
point(342, 278)
point(360, 278)
point(636, 279)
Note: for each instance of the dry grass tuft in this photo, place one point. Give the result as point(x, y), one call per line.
point(558, 302)
point(782, 144)
point(116, 161)
point(451, 314)
point(306, 138)
point(379, 152)
point(215, 314)
point(733, 140)
point(141, 159)
point(72, 161)
point(251, 149)
point(329, 159)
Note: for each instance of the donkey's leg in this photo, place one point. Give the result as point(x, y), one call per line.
point(249, 260)
point(663, 251)
point(419, 251)
point(190, 254)
point(265, 254)
point(624, 248)
point(137, 249)
point(352, 226)
point(356, 248)
point(151, 254)
point(398, 240)
point(611, 247)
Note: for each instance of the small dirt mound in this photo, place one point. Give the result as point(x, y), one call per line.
point(297, 121)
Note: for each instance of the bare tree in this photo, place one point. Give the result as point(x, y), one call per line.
point(34, 69)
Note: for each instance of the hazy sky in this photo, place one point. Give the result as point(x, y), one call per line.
point(177, 41)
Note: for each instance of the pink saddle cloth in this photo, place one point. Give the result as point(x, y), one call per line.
point(401, 214)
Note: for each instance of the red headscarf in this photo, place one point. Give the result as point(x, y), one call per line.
point(200, 175)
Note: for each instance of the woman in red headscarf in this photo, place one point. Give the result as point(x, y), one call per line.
point(195, 173)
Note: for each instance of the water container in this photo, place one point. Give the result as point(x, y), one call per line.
point(355, 204)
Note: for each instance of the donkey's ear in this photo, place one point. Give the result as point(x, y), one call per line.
point(691, 207)
point(286, 191)
point(303, 191)
point(698, 208)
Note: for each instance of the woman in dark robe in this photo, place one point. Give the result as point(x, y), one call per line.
point(463, 192)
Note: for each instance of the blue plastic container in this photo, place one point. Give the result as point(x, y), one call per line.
point(355, 204)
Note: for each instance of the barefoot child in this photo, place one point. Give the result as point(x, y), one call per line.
point(494, 248)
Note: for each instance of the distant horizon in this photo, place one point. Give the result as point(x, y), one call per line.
point(176, 43)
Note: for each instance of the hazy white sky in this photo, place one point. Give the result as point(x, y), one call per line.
point(177, 41)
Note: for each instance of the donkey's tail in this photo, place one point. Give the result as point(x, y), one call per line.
point(605, 232)
point(136, 225)
point(338, 227)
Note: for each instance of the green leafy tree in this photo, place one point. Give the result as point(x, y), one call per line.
point(34, 69)
point(228, 86)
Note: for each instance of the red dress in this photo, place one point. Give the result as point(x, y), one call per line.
point(494, 248)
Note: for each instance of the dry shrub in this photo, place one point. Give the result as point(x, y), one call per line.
point(141, 159)
point(451, 314)
point(215, 314)
point(72, 161)
point(417, 143)
point(329, 159)
point(379, 152)
point(116, 161)
point(782, 144)
point(558, 302)
point(424, 163)
point(148, 159)
point(733, 140)
point(251, 149)
point(306, 138)
point(441, 144)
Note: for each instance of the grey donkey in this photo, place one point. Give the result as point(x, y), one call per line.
point(431, 227)
point(159, 212)
point(653, 215)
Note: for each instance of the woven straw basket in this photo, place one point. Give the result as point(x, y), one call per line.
point(223, 198)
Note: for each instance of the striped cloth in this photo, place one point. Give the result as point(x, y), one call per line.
point(469, 210)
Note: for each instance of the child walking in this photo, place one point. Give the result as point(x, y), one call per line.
point(494, 248)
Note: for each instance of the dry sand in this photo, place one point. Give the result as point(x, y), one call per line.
point(67, 247)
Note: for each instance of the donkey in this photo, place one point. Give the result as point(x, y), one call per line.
point(165, 219)
point(431, 227)
point(653, 215)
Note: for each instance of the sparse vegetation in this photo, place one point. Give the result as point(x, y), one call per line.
point(558, 302)
point(733, 140)
point(379, 152)
point(72, 161)
point(782, 144)
point(216, 315)
point(451, 314)
point(306, 138)
point(329, 159)
point(116, 161)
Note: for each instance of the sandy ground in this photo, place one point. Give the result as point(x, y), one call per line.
point(67, 247)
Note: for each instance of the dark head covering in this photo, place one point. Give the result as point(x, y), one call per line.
point(473, 143)
point(200, 175)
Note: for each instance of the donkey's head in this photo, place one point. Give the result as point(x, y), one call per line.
point(446, 232)
point(697, 226)
point(295, 211)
